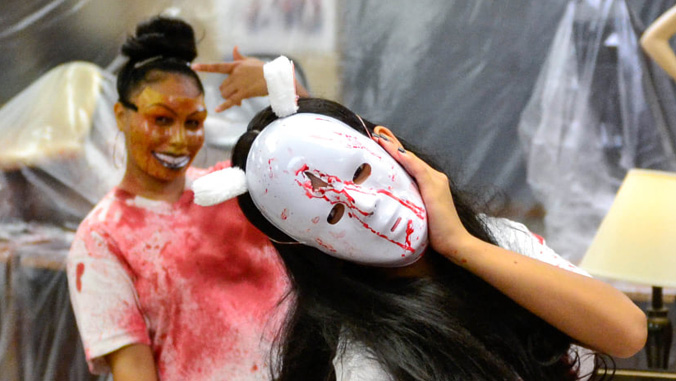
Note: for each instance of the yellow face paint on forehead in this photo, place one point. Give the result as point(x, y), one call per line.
point(150, 97)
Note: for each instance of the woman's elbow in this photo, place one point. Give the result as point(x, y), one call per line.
point(647, 43)
point(634, 337)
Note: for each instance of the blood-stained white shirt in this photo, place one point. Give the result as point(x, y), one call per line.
point(515, 236)
point(200, 285)
point(356, 363)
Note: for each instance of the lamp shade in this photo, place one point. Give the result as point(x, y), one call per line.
point(636, 241)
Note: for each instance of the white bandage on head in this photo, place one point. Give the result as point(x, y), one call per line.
point(279, 76)
point(219, 186)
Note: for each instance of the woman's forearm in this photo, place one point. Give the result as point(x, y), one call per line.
point(591, 312)
point(133, 363)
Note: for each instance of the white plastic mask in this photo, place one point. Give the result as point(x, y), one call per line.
point(303, 171)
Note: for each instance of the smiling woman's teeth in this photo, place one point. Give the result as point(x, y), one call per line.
point(172, 162)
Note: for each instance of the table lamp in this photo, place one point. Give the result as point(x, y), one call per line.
point(636, 242)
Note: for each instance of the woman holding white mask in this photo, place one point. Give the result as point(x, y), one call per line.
point(416, 284)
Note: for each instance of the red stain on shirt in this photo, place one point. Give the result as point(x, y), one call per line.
point(78, 276)
point(206, 282)
point(539, 238)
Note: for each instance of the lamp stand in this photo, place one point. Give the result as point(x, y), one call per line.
point(659, 332)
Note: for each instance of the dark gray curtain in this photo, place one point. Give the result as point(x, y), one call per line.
point(548, 102)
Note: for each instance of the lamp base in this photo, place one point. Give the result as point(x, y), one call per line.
point(659, 338)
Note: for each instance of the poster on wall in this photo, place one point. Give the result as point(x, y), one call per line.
point(278, 26)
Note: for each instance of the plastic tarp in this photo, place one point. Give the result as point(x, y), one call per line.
point(451, 77)
point(540, 107)
point(58, 136)
point(588, 122)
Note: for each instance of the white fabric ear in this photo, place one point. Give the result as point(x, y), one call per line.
point(219, 186)
point(279, 77)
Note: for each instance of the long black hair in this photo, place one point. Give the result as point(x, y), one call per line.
point(448, 326)
point(160, 45)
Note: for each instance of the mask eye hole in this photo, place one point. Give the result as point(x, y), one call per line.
point(361, 174)
point(336, 214)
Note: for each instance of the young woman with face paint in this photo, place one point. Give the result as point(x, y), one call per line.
point(416, 284)
point(163, 288)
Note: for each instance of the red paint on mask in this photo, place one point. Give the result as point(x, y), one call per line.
point(406, 246)
point(409, 231)
point(325, 245)
point(417, 210)
point(355, 143)
point(302, 169)
point(351, 187)
point(342, 196)
point(271, 173)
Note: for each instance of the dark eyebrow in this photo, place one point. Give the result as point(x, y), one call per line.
point(174, 112)
point(163, 106)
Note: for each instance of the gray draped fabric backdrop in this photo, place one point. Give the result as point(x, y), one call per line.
point(464, 80)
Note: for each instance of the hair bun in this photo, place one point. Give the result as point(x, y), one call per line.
point(161, 36)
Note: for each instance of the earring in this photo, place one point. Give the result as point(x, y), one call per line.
point(116, 143)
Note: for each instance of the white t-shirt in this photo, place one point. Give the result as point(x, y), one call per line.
point(357, 364)
point(198, 285)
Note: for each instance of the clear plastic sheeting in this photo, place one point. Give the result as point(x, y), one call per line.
point(588, 122)
point(37, 339)
point(542, 104)
point(451, 77)
point(59, 139)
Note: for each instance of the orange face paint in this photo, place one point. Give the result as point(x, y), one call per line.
point(167, 131)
